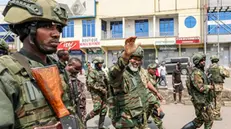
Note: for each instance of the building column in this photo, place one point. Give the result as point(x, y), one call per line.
point(124, 32)
point(154, 26)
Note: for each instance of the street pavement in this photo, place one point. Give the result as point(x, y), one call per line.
point(176, 116)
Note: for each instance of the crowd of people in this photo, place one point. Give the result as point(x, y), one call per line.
point(127, 91)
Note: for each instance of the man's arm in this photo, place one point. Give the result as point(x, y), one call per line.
point(8, 100)
point(198, 82)
point(116, 71)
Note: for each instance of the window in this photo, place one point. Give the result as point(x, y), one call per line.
point(6, 34)
point(141, 28)
point(167, 27)
point(88, 28)
point(223, 29)
point(190, 22)
point(116, 28)
point(222, 16)
point(68, 31)
point(104, 25)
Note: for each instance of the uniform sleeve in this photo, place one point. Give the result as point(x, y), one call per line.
point(8, 100)
point(198, 82)
point(115, 73)
point(91, 78)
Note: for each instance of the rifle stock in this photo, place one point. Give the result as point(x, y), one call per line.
point(49, 82)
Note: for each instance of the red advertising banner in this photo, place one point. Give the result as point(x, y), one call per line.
point(69, 45)
point(187, 40)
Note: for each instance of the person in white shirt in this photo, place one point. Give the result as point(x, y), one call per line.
point(163, 73)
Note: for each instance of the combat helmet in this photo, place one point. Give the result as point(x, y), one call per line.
point(23, 15)
point(3, 45)
point(152, 66)
point(214, 58)
point(98, 60)
point(21, 11)
point(198, 57)
point(138, 53)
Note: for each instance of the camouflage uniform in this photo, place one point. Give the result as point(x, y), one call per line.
point(201, 94)
point(97, 86)
point(3, 47)
point(81, 96)
point(153, 80)
point(218, 74)
point(129, 98)
point(23, 105)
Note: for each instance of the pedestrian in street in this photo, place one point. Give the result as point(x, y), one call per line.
point(22, 104)
point(130, 97)
point(217, 75)
point(97, 86)
point(163, 72)
point(4, 47)
point(177, 83)
point(77, 88)
point(201, 95)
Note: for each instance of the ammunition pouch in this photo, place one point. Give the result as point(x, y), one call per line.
point(207, 113)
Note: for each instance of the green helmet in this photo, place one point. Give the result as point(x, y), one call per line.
point(214, 58)
point(139, 52)
point(98, 60)
point(21, 11)
point(3, 45)
point(198, 57)
point(152, 66)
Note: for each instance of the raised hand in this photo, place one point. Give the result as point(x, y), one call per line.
point(130, 46)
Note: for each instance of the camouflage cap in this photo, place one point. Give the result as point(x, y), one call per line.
point(214, 58)
point(98, 60)
point(152, 66)
point(198, 57)
point(21, 11)
point(139, 52)
point(3, 45)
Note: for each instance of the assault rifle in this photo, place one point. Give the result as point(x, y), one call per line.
point(49, 82)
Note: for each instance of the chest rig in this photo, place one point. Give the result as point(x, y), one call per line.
point(32, 108)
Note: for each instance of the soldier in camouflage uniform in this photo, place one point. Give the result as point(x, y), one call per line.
point(63, 56)
point(97, 86)
point(38, 24)
point(4, 48)
point(129, 97)
point(153, 79)
point(77, 87)
point(201, 95)
point(218, 74)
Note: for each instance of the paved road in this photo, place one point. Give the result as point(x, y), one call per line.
point(176, 116)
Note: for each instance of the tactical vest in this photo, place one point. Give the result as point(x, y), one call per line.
point(132, 94)
point(32, 109)
point(215, 74)
point(100, 78)
point(197, 96)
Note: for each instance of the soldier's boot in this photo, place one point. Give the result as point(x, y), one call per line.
point(101, 122)
point(190, 125)
point(174, 97)
point(180, 96)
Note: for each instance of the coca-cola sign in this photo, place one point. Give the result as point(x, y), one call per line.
point(187, 40)
point(69, 45)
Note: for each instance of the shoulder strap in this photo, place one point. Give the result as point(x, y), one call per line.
point(24, 62)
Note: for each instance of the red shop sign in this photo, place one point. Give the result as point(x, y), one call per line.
point(69, 45)
point(187, 40)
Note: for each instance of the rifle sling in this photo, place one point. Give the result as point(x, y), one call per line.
point(24, 62)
